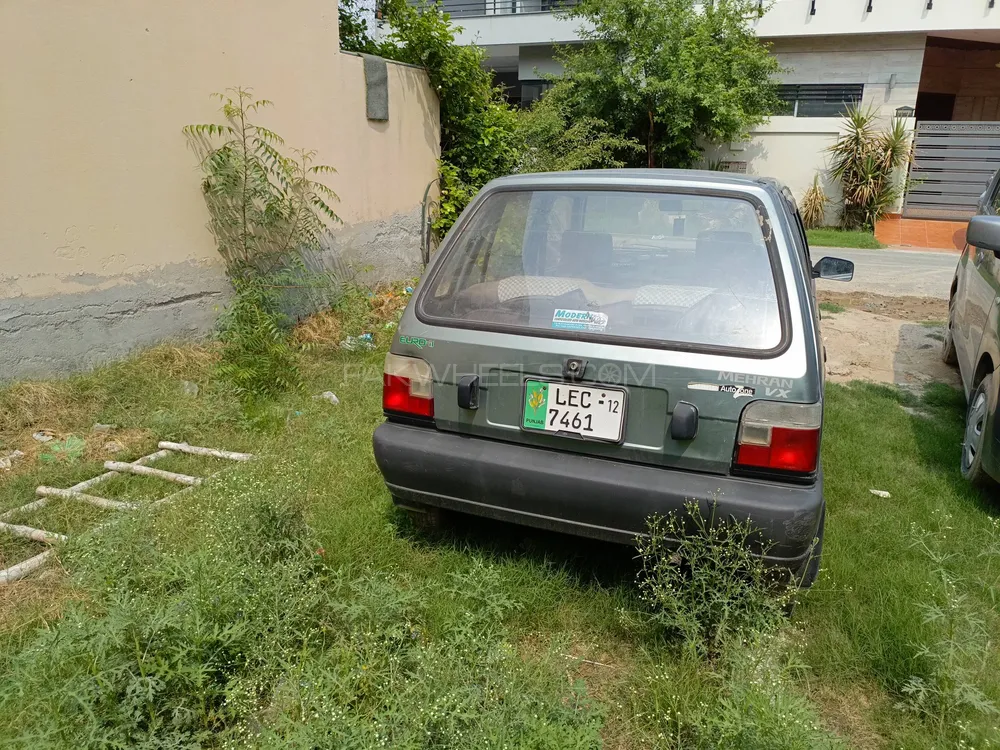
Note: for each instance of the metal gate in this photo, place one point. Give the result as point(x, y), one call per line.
point(953, 163)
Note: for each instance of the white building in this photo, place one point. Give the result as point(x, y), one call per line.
point(939, 57)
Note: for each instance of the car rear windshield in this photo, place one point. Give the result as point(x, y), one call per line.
point(667, 268)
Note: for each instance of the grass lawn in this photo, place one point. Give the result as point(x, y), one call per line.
point(222, 620)
point(833, 237)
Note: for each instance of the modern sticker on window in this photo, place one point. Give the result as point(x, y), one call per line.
point(579, 320)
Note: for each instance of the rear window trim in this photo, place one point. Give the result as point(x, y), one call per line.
point(784, 313)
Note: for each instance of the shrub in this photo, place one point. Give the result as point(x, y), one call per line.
point(703, 582)
point(734, 684)
point(266, 209)
point(814, 204)
point(554, 141)
point(671, 74)
point(865, 161)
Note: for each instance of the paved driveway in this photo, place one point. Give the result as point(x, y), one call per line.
point(894, 273)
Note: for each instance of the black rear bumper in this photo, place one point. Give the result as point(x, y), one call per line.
point(583, 495)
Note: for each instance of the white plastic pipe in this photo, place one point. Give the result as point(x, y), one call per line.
point(146, 471)
point(100, 502)
point(39, 535)
point(19, 571)
point(195, 450)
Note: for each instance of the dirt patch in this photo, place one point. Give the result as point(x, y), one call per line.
point(900, 308)
point(863, 346)
point(886, 339)
point(847, 711)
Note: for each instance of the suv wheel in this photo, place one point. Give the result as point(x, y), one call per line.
point(975, 432)
point(948, 354)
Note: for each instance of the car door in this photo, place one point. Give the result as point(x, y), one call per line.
point(976, 295)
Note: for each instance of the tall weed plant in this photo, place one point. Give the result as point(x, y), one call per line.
point(267, 209)
point(703, 582)
point(952, 661)
point(734, 682)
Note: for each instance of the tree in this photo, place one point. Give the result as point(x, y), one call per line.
point(553, 141)
point(478, 127)
point(670, 73)
point(355, 33)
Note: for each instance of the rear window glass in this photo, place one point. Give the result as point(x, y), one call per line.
point(680, 268)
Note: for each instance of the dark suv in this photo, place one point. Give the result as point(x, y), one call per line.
point(972, 342)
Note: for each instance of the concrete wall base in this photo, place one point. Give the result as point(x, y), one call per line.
point(43, 336)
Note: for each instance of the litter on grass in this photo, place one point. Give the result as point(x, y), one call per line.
point(327, 396)
point(363, 343)
point(880, 493)
point(44, 436)
point(189, 388)
point(68, 450)
point(7, 461)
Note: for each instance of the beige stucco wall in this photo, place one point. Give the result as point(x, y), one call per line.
point(98, 188)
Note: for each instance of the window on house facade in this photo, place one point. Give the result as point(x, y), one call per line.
point(532, 91)
point(818, 100)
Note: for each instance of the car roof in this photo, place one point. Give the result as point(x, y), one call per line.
point(645, 177)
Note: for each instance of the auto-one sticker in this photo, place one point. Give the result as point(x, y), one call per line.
point(773, 387)
point(736, 390)
point(579, 320)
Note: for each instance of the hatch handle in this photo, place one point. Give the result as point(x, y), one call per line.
point(684, 421)
point(468, 392)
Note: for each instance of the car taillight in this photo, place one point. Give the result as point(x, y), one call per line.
point(407, 386)
point(779, 437)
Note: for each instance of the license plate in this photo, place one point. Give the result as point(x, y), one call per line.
point(591, 412)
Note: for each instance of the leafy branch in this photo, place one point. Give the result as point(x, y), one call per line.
point(266, 209)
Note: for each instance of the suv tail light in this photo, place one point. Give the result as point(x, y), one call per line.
point(779, 437)
point(407, 386)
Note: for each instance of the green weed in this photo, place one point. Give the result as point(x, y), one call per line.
point(831, 307)
point(954, 657)
point(703, 582)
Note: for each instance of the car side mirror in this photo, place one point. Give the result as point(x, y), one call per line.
point(834, 269)
point(984, 232)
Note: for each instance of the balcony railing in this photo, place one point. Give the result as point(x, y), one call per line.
point(472, 8)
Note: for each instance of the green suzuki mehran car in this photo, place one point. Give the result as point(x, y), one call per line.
point(588, 349)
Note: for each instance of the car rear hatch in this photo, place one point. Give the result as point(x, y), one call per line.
point(611, 323)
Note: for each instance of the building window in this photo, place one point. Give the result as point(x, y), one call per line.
point(818, 100)
point(531, 91)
